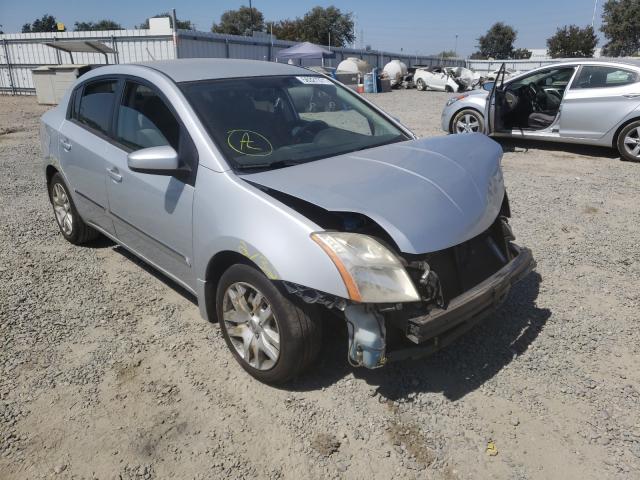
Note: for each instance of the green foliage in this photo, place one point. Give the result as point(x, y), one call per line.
point(447, 54)
point(288, 29)
point(477, 56)
point(572, 41)
point(47, 23)
point(497, 42)
point(99, 25)
point(621, 27)
point(521, 54)
point(243, 21)
point(317, 25)
point(180, 24)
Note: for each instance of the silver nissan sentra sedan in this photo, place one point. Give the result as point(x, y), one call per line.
point(274, 193)
point(588, 102)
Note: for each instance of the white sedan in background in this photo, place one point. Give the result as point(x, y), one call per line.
point(435, 78)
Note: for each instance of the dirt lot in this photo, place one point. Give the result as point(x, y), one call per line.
point(107, 371)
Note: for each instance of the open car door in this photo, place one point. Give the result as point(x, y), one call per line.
point(495, 98)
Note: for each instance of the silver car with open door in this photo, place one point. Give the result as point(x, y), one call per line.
point(586, 102)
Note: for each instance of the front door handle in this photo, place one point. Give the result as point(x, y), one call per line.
point(65, 144)
point(114, 174)
point(631, 95)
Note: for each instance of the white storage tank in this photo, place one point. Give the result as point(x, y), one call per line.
point(354, 65)
point(395, 70)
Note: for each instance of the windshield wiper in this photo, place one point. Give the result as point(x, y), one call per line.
point(267, 166)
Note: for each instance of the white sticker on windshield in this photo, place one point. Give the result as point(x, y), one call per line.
point(315, 80)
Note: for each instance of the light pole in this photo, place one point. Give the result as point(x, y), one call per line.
point(593, 18)
point(455, 49)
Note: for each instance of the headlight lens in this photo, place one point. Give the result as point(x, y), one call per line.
point(371, 273)
point(453, 100)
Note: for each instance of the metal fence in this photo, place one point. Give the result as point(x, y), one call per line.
point(22, 52)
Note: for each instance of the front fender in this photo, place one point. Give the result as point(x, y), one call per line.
point(232, 215)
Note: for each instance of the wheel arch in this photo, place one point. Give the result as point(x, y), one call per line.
point(614, 142)
point(217, 265)
point(455, 114)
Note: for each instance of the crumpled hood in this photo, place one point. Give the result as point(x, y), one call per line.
point(428, 194)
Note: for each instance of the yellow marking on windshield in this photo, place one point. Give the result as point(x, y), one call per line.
point(248, 142)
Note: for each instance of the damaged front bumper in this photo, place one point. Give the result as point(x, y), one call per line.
point(440, 327)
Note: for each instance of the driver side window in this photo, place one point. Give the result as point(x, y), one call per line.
point(144, 120)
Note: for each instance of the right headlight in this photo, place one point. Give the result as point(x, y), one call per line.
point(371, 273)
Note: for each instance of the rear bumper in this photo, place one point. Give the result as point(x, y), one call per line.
point(464, 311)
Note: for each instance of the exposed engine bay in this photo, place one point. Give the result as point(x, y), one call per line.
point(441, 277)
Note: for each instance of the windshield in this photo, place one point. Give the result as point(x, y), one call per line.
point(272, 122)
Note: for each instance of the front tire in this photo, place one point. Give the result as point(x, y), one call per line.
point(420, 85)
point(271, 338)
point(467, 121)
point(71, 226)
point(629, 142)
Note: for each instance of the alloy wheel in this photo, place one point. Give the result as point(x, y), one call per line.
point(632, 142)
point(251, 325)
point(467, 123)
point(62, 209)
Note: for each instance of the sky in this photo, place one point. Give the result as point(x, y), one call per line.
point(413, 26)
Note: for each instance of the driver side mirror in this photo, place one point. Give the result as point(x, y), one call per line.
point(161, 160)
point(488, 86)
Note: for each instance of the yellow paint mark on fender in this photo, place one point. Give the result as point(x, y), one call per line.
point(259, 260)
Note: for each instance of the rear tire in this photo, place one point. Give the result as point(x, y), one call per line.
point(420, 85)
point(629, 142)
point(271, 337)
point(71, 226)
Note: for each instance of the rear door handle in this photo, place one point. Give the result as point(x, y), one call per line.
point(114, 174)
point(65, 144)
point(631, 95)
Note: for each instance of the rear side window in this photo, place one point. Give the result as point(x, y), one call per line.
point(144, 120)
point(593, 76)
point(96, 105)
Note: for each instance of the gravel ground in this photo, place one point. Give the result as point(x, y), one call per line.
point(107, 371)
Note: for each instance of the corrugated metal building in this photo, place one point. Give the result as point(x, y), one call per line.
point(22, 52)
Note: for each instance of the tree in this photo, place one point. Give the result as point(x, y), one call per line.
point(497, 42)
point(477, 56)
point(621, 27)
point(328, 26)
point(572, 41)
point(243, 21)
point(180, 24)
point(521, 54)
point(99, 25)
point(288, 30)
point(317, 25)
point(447, 54)
point(47, 23)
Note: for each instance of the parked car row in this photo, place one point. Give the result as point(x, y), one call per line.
point(585, 102)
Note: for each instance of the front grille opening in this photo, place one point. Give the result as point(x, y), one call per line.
point(462, 267)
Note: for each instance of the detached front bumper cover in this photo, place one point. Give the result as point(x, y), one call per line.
point(464, 311)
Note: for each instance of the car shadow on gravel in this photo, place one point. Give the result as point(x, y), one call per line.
point(454, 371)
point(156, 274)
point(523, 146)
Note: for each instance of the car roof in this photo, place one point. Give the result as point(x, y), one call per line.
point(594, 61)
point(194, 69)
